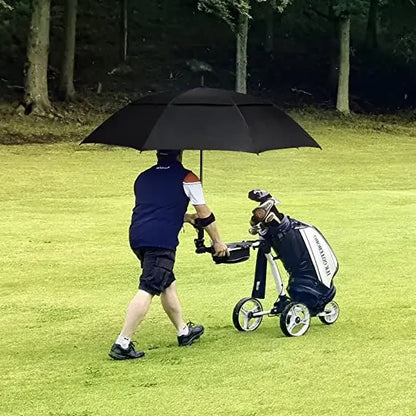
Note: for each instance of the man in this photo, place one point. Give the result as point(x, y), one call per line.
point(162, 196)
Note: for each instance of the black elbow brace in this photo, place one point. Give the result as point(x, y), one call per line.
point(204, 222)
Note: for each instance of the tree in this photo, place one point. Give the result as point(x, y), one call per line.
point(343, 103)
point(241, 53)
point(236, 13)
point(36, 98)
point(66, 85)
point(123, 29)
point(269, 29)
point(343, 9)
point(371, 37)
point(339, 17)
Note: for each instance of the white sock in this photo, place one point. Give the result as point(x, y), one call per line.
point(183, 331)
point(123, 341)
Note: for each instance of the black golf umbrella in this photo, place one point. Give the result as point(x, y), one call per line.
point(202, 119)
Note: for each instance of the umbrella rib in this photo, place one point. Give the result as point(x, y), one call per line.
point(169, 104)
point(245, 122)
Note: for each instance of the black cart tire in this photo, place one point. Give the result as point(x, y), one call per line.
point(242, 314)
point(331, 311)
point(295, 319)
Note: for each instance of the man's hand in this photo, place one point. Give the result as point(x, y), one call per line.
point(220, 249)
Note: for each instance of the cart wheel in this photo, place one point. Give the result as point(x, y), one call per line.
point(295, 319)
point(243, 312)
point(330, 313)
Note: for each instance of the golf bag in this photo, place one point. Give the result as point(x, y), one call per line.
point(306, 255)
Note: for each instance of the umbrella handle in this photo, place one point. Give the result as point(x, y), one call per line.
point(200, 246)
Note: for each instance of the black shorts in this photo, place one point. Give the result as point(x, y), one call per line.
point(157, 265)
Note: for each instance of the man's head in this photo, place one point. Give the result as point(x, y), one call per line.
point(166, 155)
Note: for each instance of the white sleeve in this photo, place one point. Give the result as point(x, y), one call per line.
point(194, 192)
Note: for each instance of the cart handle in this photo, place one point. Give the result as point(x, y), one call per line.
point(201, 248)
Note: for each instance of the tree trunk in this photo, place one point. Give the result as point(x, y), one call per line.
point(343, 105)
point(36, 82)
point(241, 54)
point(371, 38)
point(66, 87)
point(123, 30)
point(333, 74)
point(269, 27)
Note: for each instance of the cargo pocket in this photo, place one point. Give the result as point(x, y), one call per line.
point(165, 276)
point(165, 263)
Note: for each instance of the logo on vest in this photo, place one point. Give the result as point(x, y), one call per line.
point(163, 167)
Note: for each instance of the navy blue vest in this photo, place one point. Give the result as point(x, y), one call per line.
point(160, 206)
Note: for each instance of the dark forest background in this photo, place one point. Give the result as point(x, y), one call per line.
point(168, 39)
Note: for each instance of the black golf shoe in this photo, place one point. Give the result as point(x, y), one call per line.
point(195, 332)
point(119, 353)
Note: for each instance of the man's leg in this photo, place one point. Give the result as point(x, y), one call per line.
point(172, 306)
point(136, 311)
point(187, 333)
point(123, 348)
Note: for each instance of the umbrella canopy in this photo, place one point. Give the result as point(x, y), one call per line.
point(202, 119)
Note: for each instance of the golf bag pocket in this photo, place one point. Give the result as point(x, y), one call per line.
point(314, 294)
point(320, 253)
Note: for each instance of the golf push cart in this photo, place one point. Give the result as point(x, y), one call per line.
point(306, 256)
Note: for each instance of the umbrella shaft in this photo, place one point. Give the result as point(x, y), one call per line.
point(200, 165)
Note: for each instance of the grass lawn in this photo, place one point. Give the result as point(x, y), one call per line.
point(67, 274)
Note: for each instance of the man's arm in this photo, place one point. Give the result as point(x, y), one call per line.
point(203, 212)
point(193, 190)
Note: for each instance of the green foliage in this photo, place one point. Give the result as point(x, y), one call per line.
point(340, 8)
point(280, 5)
point(229, 10)
point(348, 7)
point(405, 47)
point(398, 23)
point(14, 26)
point(5, 5)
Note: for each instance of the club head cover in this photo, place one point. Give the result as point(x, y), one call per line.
point(259, 195)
